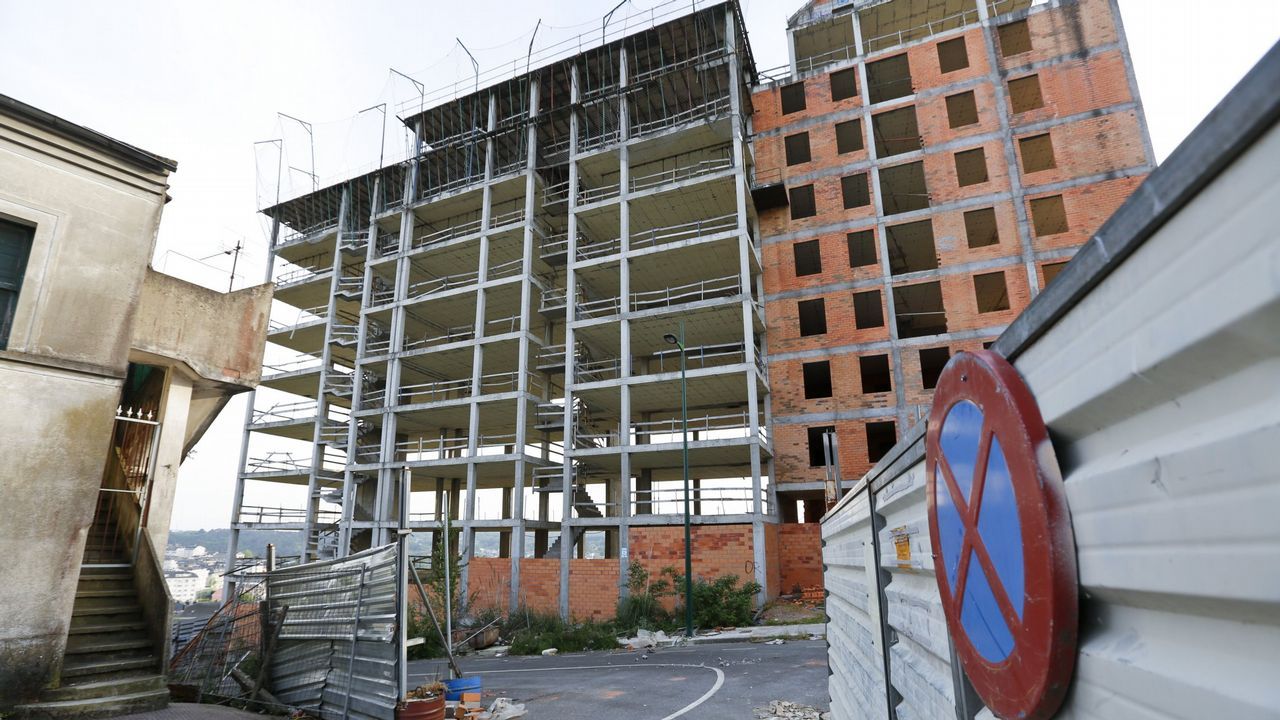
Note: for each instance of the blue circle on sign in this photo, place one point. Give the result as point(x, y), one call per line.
point(983, 518)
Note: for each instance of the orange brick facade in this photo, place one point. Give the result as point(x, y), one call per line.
point(1087, 105)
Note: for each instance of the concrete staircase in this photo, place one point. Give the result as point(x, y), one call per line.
point(110, 667)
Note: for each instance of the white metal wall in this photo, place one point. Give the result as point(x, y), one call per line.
point(1161, 390)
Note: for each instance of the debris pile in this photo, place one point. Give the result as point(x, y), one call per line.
point(783, 710)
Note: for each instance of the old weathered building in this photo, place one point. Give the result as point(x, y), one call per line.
point(109, 373)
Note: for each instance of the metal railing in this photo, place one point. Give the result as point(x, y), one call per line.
point(353, 240)
point(703, 356)
point(724, 427)
point(447, 390)
point(304, 270)
point(298, 365)
point(305, 316)
point(710, 108)
point(261, 514)
point(721, 287)
point(284, 412)
point(932, 27)
point(454, 448)
point(684, 231)
point(704, 501)
point(682, 173)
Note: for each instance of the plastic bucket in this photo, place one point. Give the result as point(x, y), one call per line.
point(427, 709)
point(453, 689)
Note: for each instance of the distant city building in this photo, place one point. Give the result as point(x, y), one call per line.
point(183, 585)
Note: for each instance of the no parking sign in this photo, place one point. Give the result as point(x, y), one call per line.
point(1004, 553)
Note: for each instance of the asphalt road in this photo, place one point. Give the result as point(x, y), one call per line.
point(707, 682)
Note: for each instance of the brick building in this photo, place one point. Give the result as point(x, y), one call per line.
point(923, 170)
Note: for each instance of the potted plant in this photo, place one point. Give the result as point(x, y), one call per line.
point(425, 702)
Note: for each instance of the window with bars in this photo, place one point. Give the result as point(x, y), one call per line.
point(15, 247)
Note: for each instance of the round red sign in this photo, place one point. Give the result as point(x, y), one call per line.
point(1003, 549)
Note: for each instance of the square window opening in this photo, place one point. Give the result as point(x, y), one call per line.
point(962, 109)
point(971, 167)
point(817, 379)
point(881, 437)
point(889, 78)
point(932, 361)
point(862, 248)
point(1024, 94)
point(1051, 271)
point(793, 98)
point(854, 191)
point(813, 317)
point(991, 292)
point(802, 204)
point(797, 147)
point(1037, 153)
point(918, 310)
point(808, 257)
point(867, 310)
point(980, 228)
point(952, 55)
point(844, 84)
point(817, 453)
point(902, 188)
point(849, 136)
point(1049, 215)
point(874, 370)
point(911, 247)
point(896, 131)
point(1015, 38)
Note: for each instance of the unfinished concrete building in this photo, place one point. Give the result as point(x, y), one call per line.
point(925, 168)
point(482, 328)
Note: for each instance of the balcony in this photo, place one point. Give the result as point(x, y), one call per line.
point(442, 391)
point(283, 518)
point(665, 298)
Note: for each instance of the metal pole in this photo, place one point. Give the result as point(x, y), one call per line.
point(448, 583)
point(688, 533)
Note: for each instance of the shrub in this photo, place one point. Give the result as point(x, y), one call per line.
point(547, 630)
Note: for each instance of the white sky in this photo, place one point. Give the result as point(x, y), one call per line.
point(201, 84)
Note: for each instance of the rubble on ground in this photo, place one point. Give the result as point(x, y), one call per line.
point(783, 710)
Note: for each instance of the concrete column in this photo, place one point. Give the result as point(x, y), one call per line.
point(623, 494)
point(571, 289)
point(175, 407)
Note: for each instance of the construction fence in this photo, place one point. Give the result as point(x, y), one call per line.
point(325, 638)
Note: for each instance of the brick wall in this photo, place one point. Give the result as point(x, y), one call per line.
point(717, 550)
point(1084, 86)
point(540, 584)
point(800, 547)
point(593, 589)
point(489, 583)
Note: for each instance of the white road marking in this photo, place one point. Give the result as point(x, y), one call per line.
point(705, 696)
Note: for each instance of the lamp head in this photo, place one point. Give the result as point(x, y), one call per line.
point(671, 339)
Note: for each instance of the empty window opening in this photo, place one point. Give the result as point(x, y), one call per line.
point(813, 317)
point(15, 247)
point(980, 227)
point(867, 310)
point(802, 205)
point(817, 379)
point(844, 84)
point(797, 147)
point(1024, 94)
point(1048, 215)
point(1051, 271)
point(854, 191)
point(896, 131)
point(849, 136)
point(792, 98)
point(1015, 38)
point(817, 454)
point(991, 291)
point(881, 437)
point(918, 310)
point(1037, 153)
point(932, 361)
point(876, 377)
point(952, 55)
point(962, 109)
point(911, 247)
point(888, 79)
point(862, 248)
point(902, 188)
point(971, 167)
point(808, 255)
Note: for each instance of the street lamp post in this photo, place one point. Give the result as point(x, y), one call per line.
point(684, 434)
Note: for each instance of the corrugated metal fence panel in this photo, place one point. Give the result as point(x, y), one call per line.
point(920, 659)
point(856, 684)
point(1162, 390)
point(313, 667)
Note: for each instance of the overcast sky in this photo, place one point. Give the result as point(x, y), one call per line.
point(202, 83)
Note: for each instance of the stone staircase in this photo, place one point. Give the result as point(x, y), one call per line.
point(110, 667)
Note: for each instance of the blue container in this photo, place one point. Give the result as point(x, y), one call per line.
point(453, 689)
